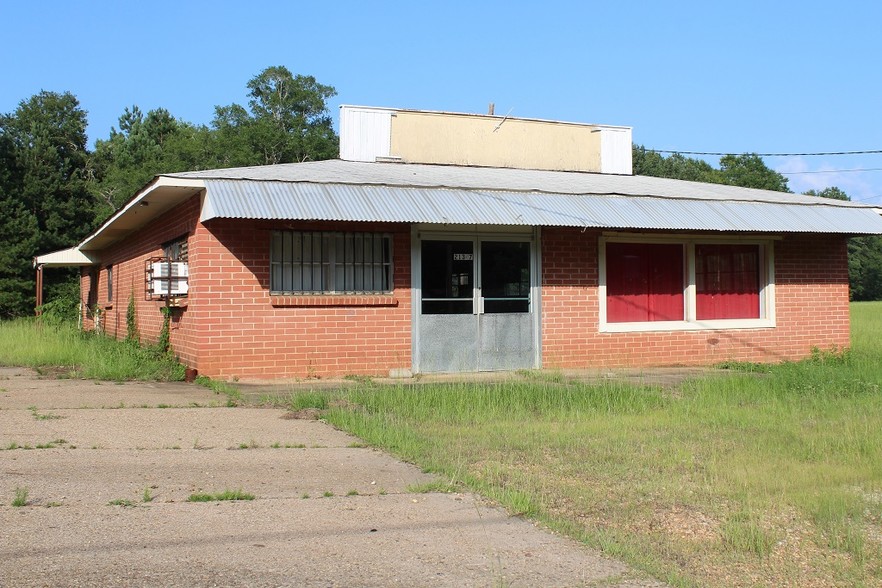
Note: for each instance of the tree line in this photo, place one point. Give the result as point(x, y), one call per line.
point(54, 190)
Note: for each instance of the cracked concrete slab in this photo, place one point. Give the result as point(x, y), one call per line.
point(327, 510)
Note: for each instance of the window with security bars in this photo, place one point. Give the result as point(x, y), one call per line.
point(324, 262)
point(176, 249)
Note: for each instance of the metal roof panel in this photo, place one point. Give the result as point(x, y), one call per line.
point(503, 179)
point(259, 199)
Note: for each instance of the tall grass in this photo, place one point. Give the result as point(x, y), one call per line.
point(63, 350)
point(866, 330)
point(767, 475)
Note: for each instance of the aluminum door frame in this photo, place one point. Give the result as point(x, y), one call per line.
point(477, 234)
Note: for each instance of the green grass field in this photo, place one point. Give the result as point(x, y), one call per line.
point(766, 475)
point(762, 475)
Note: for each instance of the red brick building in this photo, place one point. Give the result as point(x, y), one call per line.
point(398, 261)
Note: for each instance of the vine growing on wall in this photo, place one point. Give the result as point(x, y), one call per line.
point(163, 344)
point(132, 335)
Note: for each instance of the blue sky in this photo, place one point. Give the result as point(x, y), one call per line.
point(748, 76)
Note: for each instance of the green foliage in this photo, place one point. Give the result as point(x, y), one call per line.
point(18, 231)
point(220, 496)
point(839, 518)
point(439, 486)
point(44, 193)
point(123, 502)
point(163, 342)
point(40, 416)
point(747, 170)
point(234, 397)
point(744, 533)
point(304, 400)
point(288, 122)
point(832, 192)
point(64, 305)
point(132, 335)
point(51, 444)
point(492, 402)
point(68, 351)
point(143, 147)
point(21, 497)
point(865, 267)
point(676, 166)
point(864, 257)
point(49, 134)
point(755, 468)
point(53, 190)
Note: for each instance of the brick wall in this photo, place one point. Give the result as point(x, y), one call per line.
point(232, 326)
point(245, 332)
point(128, 259)
point(811, 303)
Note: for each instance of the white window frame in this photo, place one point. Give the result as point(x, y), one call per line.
point(690, 322)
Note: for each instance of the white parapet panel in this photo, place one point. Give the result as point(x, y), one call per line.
point(615, 150)
point(365, 133)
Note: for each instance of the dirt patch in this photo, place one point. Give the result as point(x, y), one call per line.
point(687, 523)
point(306, 414)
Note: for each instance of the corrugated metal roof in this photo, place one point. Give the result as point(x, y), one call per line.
point(350, 200)
point(393, 192)
point(499, 179)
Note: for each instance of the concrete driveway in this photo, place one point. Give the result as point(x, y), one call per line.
point(327, 510)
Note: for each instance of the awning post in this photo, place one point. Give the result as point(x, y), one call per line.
point(39, 310)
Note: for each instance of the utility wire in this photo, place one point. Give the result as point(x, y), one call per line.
point(721, 154)
point(831, 171)
point(812, 154)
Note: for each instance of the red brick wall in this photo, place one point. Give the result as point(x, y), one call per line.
point(128, 259)
point(811, 303)
point(244, 332)
point(232, 326)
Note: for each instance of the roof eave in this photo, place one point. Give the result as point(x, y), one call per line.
point(158, 197)
point(71, 257)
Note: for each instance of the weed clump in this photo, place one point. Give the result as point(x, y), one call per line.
point(21, 497)
point(221, 496)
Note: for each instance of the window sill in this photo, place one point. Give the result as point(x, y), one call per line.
point(712, 325)
point(333, 300)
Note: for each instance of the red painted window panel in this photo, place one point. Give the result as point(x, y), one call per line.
point(644, 282)
point(727, 281)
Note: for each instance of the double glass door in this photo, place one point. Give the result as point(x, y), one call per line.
point(476, 305)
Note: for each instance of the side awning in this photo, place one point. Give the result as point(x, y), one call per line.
point(71, 257)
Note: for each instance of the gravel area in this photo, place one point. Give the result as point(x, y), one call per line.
point(328, 511)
